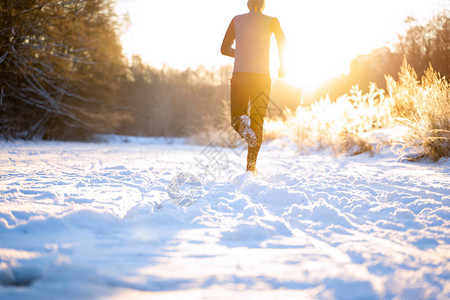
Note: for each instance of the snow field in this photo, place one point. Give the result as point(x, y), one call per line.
point(96, 220)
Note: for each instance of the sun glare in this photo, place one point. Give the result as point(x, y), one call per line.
point(323, 36)
point(304, 74)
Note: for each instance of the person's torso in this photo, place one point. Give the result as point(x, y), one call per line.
point(253, 33)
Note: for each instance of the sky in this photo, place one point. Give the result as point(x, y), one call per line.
point(323, 35)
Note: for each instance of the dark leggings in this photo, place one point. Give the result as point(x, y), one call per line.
point(250, 94)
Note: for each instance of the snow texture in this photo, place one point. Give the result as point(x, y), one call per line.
point(97, 221)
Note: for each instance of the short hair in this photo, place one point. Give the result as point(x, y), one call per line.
point(259, 4)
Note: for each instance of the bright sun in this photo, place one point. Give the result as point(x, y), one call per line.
point(300, 72)
point(323, 36)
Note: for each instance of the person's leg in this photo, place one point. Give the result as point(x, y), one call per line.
point(239, 98)
point(261, 88)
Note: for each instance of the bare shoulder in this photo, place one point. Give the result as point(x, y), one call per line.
point(275, 20)
point(275, 24)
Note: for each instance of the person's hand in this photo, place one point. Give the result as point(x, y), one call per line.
point(281, 72)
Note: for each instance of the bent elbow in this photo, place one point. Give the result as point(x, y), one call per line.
point(223, 50)
point(227, 50)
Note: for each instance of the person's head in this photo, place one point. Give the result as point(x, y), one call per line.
point(256, 5)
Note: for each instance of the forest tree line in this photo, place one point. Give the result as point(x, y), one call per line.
point(63, 75)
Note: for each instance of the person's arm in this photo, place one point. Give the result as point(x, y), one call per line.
point(228, 40)
point(281, 42)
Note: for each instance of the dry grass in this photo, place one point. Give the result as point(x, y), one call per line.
point(340, 125)
point(424, 107)
point(347, 124)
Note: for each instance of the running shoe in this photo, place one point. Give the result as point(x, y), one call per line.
point(246, 131)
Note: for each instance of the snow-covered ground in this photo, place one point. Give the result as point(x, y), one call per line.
point(100, 221)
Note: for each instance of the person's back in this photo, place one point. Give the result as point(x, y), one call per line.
point(252, 33)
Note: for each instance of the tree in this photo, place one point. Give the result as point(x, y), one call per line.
point(60, 65)
point(429, 43)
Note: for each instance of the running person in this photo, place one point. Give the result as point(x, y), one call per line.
point(251, 82)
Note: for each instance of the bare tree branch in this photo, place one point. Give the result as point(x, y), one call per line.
point(2, 58)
